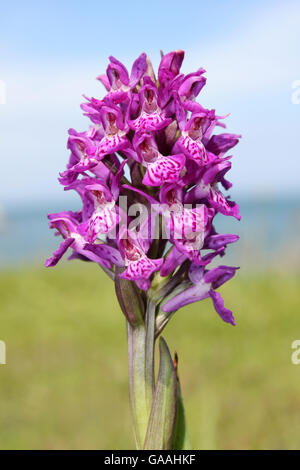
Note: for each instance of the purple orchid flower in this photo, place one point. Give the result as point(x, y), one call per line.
point(79, 144)
point(117, 77)
point(170, 66)
point(115, 130)
point(67, 224)
point(202, 285)
point(191, 85)
point(138, 266)
point(187, 226)
point(219, 144)
point(208, 188)
point(104, 217)
point(151, 175)
point(160, 168)
point(193, 132)
point(151, 117)
point(150, 142)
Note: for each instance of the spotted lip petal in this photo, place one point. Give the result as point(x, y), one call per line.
point(110, 144)
point(102, 222)
point(188, 227)
point(164, 170)
point(99, 214)
point(141, 268)
point(189, 221)
point(194, 150)
point(160, 169)
point(150, 122)
point(191, 247)
point(223, 205)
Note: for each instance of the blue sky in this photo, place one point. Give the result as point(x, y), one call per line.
point(51, 53)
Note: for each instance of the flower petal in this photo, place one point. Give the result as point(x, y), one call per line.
point(174, 259)
point(150, 122)
point(164, 170)
point(220, 240)
point(219, 275)
point(190, 295)
point(142, 268)
point(222, 204)
point(219, 144)
point(138, 70)
point(170, 66)
point(224, 312)
point(102, 252)
point(102, 222)
point(57, 255)
point(195, 150)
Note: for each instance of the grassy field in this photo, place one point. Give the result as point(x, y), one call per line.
point(65, 382)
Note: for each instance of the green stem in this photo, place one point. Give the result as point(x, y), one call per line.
point(141, 372)
point(157, 410)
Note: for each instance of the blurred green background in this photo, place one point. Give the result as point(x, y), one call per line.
point(65, 385)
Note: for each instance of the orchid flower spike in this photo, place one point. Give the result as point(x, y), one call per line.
point(150, 174)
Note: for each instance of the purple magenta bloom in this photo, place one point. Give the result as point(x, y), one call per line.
point(194, 132)
point(202, 285)
point(191, 85)
point(67, 224)
point(151, 117)
point(104, 217)
point(187, 226)
point(221, 143)
point(138, 266)
point(170, 66)
point(207, 188)
point(160, 169)
point(151, 143)
point(151, 174)
point(117, 77)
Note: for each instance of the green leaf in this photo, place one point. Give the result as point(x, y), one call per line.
point(130, 300)
point(162, 419)
point(181, 438)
